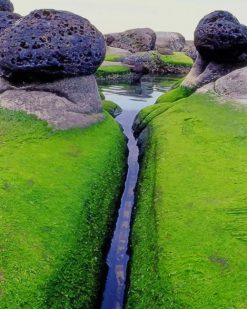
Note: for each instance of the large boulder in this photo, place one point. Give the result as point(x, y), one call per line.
point(66, 103)
point(220, 37)
point(134, 40)
point(7, 19)
point(221, 42)
point(50, 43)
point(6, 6)
point(169, 40)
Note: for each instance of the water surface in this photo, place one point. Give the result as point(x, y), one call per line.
point(131, 98)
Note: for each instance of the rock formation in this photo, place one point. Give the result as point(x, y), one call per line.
point(46, 62)
point(221, 42)
point(169, 40)
point(134, 40)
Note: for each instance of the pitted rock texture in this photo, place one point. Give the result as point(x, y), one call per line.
point(134, 40)
point(50, 43)
point(66, 103)
point(6, 6)
point(171, 40)
point(220, 37)
point(7, 19)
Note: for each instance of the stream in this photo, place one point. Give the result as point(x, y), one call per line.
point(131, 98)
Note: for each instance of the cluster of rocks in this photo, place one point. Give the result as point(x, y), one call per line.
point(47, 62)
point(140, 49)
point(221, 42)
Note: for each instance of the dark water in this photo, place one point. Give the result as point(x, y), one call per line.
point(131, 98)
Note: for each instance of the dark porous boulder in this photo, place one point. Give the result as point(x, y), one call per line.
point(134, 40)
point(7, 19)
point(6, 6)
point(170, 40)
point(50, 44)
point(220, 37)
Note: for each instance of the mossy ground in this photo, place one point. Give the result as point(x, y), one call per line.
point(178, 58)
point(111, 107)
point(113, 58)
point(189, 231)
point(58, 192)
point(110, 70)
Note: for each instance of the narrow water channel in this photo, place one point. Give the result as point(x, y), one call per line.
point(131, 98)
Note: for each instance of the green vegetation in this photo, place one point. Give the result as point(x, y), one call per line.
point(58, 191)
point(113, 58)
point(112, 108)
point(110, 70)
point(175, 94)
point(189, 233)
point(177, 58)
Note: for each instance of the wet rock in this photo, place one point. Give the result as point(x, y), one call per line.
point(66, 103)
point(170, 40)
point(134, 40)
point(220, 37)
point(50, 44)
point(6, 6)
point(7, 19)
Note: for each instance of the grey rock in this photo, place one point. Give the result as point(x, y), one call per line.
point(50, 43)
point(68, 103)
point(134, 40)
point(122, 53)
point(6, 6)
point(190, 50)
point(233, 85)
point(203, 73)
point(171, 40)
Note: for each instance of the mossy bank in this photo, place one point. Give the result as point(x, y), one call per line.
point(188, 242)
point(58, 192)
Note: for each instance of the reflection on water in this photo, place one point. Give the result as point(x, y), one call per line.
point(131, 98)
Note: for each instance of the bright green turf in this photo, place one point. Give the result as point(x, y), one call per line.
point(109, 70)
point(189, 232)
point(175, 95)
point(113, 58)
point(112, 108)
point(178, 58)
point(57, 202)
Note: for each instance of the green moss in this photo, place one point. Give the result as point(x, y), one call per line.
point(189, 232)
point(110, 70)
point(175, 95)
point(102, 96)
point(112, 108)
point(114, 58)
point(178, 58)
point(58, 192)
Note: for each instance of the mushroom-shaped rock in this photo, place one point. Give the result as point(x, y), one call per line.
point(50, 43)
point(6, 6)
point(220, 37)
point(134, 40)
point(7, 19)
